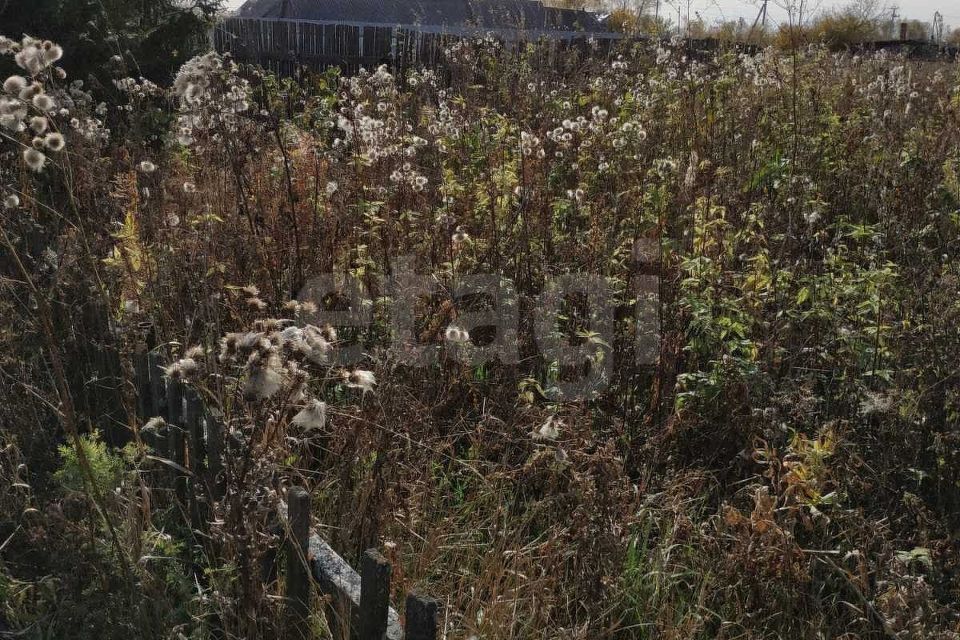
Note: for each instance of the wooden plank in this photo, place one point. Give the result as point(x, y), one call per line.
point(422, 616)
point(330, 41)
point(193, 428)
point(195, 459)
point(158, 400)
point(368, 39)
point(175, 419)
point(141, 382)
point(215, 478)
point(158, 394)
point(176, 451)
point(354, 42)
point(297, 568)
point(374, 596)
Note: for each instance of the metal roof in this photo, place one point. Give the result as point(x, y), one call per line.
point(492, 14)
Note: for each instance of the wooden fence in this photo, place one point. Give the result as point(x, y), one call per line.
point(191, 445)
point(916, 49)
point(284, 45)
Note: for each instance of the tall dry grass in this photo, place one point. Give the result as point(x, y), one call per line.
point(783, 468)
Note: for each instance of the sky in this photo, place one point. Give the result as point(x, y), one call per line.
point(713, 10)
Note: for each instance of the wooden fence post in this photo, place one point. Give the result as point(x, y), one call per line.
point(421, 618)
point(158, 400)
point(374, 596)
point(193, 427)
point(141, 382)
point(297, 565)
point(175, 421)
point(215, 438)
point(157, 389)
point(141, 377)
point(175, 418)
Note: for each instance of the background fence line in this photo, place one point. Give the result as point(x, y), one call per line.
point(284, 45)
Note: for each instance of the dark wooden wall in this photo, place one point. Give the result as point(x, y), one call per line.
point(283, 45)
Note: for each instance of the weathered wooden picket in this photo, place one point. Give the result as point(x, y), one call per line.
point(191, 445)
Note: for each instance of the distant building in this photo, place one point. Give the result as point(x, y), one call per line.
point(281, 34)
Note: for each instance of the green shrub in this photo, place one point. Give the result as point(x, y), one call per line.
point(106, 466)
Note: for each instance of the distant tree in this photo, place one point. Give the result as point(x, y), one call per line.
point(655, 25)
point(696, 27)
point(739, 30)
point(918, 30)
point(729, 30)
point(846, 27)
point(623, 21)
point(790, 36)
point(151, 37)
point(954, 38)
point(632, 22)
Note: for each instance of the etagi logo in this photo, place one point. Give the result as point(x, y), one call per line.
point(487, 309)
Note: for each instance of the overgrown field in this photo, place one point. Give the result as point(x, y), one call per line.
point(767, 444)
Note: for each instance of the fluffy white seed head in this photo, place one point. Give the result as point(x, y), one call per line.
point(182, 369)
point(263, 381)
point(460, 237)
point(314, 345)
point(312, 417)
point(30, 91)
point(54, 141)
point(361, 379)
point(456, 334)
point(9, 106)
point(14, 84)
point(39, 124)
point(44, 103)
point(51, 52)
point(195, 352)
point(11, 122)
point(548, 431)
point(153, 425)
point(29, 59)
point(35, 159)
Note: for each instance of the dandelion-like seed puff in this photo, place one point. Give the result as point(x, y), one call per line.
point(34, 159)
point(312, 417)
point(25, 105)
point(361, 379)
